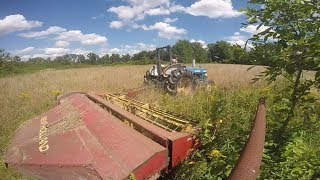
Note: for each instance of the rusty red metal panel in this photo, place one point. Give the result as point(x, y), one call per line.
point(181, 149)
point(180, 146)
point(79, 139)
point(62, 172)
point(125, 144)
point(248, 165)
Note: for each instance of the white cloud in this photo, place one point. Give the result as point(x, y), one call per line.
point(125, 12)
point(24, 51)
point(25, 57)
point(80, 51)
point(78, 36)
point(137, 9)
point(238, 42)
point(165, 30)
point(213, 9)
point(47, 53)
point(239, 39)
point(158, 11)
point(177, 8)
point(130, 49)
point(64, 37)
point(169, 20)
point(116, 24)
point(17, 22)
point(203, 43)
point(49, 31)
point(62, 44)
point(252, 29)
point(146, 47)
point(43, 55)
point(115, 50)
point(236, 33)
point(52, 51)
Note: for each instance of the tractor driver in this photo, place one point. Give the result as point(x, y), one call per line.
point(174, 59)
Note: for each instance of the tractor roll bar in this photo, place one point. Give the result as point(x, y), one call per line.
point(248, 165)
point(168, 48)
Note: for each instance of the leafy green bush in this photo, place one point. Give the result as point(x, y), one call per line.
point(226, 117)
point(299, 159)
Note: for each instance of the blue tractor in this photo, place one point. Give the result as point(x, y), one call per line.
point(175, 77)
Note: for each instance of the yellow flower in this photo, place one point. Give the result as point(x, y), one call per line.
point(215, 153)
point(132, 177)
point(220, 121)
point(55, 92)
point(24, 95)
point(266, 89)
point(191, 162)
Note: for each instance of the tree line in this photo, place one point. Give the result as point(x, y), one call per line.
point(184, 50)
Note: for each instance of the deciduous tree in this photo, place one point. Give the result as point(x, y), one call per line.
point(293, 25)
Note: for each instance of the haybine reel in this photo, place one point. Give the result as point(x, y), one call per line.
point(107, 136)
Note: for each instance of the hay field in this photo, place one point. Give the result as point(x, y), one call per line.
point(25, 96)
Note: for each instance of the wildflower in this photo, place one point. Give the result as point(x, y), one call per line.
point(215, 153)
point(25, 95)
point(55, 92)
point(132, 177)
point(220, 121)
point(266, 89)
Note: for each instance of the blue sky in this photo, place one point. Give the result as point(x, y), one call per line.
point(50, 28)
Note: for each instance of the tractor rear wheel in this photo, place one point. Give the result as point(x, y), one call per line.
point(180, 81)
point(185, 84)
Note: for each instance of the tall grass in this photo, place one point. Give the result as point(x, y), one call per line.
point(233, 101)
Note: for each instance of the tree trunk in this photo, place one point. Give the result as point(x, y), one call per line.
point(294, 100)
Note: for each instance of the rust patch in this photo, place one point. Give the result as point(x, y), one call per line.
point(71, 119)
point(248, 165)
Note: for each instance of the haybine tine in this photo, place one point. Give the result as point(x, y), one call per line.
point(248, 165)
point(137, 103)
point(146, 112)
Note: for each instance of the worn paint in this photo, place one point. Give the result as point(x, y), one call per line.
point(248, 165)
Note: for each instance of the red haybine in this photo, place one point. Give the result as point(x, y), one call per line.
point(101, 136)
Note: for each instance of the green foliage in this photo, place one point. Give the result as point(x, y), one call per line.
point(144, 57)
point(220, 52)
point(294, 26)
point(4, 56)
point(10, 68)
point(265, 54)
point(184, 50)
point(93, 58)
point(225, 119)
point(299, 159)
point(199, 53)
point(240, 55)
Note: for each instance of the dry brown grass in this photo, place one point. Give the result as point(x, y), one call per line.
point(231, 76)
point(25, 96)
